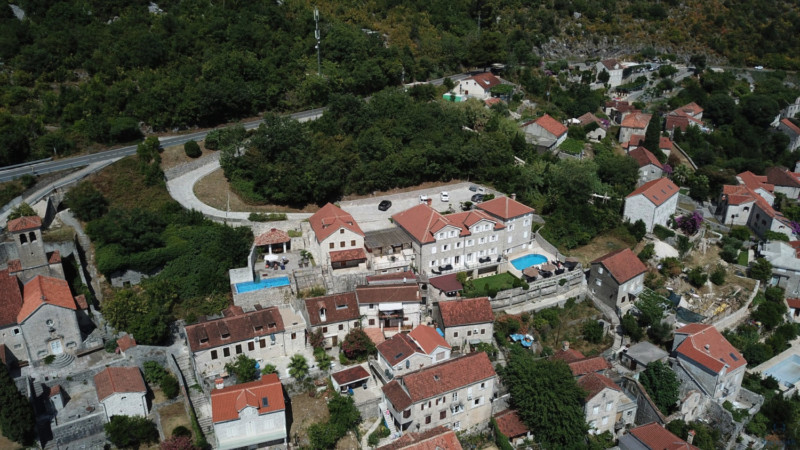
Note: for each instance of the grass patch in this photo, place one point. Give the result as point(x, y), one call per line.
point(10, 190)
point(663, 232)
point(571, 146)
point(482, 287)
point(742, 258)
point(295, 233)
point(62, 234)
point(123, 185)
point(173, 416)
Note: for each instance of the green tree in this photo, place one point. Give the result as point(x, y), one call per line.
point(298, 367)
point(244, 368)
point(660, 332)
point(638, 229)
point(697, 277)
point(718, 275)
point(630, 326)
point(548, 399)
point(17, 420)
point(603, 76)
point(192, 149)
point(357, 345)
point(130, 432)
point(592, 331)
point(86, 202)
point(761, 270)
point(652, 135)
point(662, 385)
point(770, 314)
point(21, 210)
point(684, 245)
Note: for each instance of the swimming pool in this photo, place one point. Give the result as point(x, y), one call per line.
point(786, 371)
point(265, 283)
point(526, 261)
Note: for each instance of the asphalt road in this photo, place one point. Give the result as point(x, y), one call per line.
point(84, 160)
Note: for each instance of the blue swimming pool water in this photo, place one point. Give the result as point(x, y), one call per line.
point(786, 371)
point(526, 261)
point(263, 284)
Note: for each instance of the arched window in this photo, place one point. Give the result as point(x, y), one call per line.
point(23, 239)
point(32, 236)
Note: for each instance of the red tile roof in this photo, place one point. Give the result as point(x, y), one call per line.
point(588, 118)
point(338, 308)
point(81, 302)
point(738, 194)
point(665, 143)
point(505, 208)
point(588, 365)
point(408, 276)
point(439, 438)
point(485, 80)
point(353, 254)
point(657, 191)
point(793, 302)
point(594, 383)
point(54, 257)
point(780, 176)
point(398, 348)
point(754, 181)
point(492, 101)
point(468, 311)
point(350, 375)
point(126, 342)
point(15, 266)
point(273, 236)
point(638, 120)
point(407, 293)
point(10, 299)
point(423, 222)
point(114, 380)
point(446, 283)
point(707, 347)
point(790, 125)
point(44, 290)
point(622, 264)
point(54, 390)
point(427, 338)
point(237, 328)
point(551, 125)
point(644, 157)
point(510, 424)
point(611, 64)
point(329, 219)
point(692, 109)
point(227, 403)
point(569, 355)
point(656, 437)
point(24, 223)
point(436, 380)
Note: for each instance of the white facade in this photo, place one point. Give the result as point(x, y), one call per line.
point(411, 314)
point(51, 330)
point(649, 172)
point(252, 430)
point(212, 361)
point(607, 408)
point(461, 336)
point(344, 239)
point(414, 362)
point(640, 207)
point(125, 404)
point(614, 75)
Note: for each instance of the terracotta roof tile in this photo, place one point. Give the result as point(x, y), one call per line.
point(338, 308)
point(569, 355)
point(423, 222)
point(665, 143)
point(266, 395)
point(486, 80)
point(353, 254)
point(638, 120)
point(406, 293)
point(329, 219)
point(408, 276)
point(790, 125)
point(466, 312)
point(611, 64)
point(427, 338)
point(692, 109)
point(793, 302)
point(398, 348)
point(779, 176)
point(623, 265)
point(551, 125)
point(588, 365)
point(115, 380)
point(510, 424)
point(15, 266)
point(81, 302)
point(45, 290)
point(350, 375)
point(10, 299)
point(446, 283)
point(126, 342)
point(505, 208)
point(594, 383)
point(707, 347)
point(588, 118)
point(24, 223)
point(211, 334)
point(273, 236)
point(439, 438)
point(656, 437)
point(375, 335)
point(644, 157)
point(435, 380)
point(754, 181)
point(657, 191)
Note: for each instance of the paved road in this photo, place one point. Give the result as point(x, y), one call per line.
point(79, 161)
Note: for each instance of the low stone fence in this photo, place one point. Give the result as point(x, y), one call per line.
point(735, 318)
point(540, 290)
point(80, 429)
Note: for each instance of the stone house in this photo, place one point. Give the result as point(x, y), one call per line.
point(250, 415)
point(682, 118)
point(607, 406)
point(545, 132)
point(785, 264)
point(477, 86)
point(653, 437)
point(615, 70)
point(706, 361)
point(750, 204)
point(653, 203)
point(634, 123)
point(617, 278)
point(33, 260)
point(407, 352)
point(335, 315)
point(794, 309)
point(390, 307)
point(784, 181)
point(467, 321)
point(597, 134)
point(262, 334)
point(512, 426)
point(788, 128)
point(434, 439)
point(456, 393)
point(617, 110)
point(638, 356)
point(515, 217)
point(338, 238)
point(121, 391)
point(650, 167)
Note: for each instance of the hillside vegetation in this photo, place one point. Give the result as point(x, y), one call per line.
point(79, 73)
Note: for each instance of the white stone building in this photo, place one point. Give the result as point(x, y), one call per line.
point(466, 322)
point(546, 132)
point(606, 405)
point(250, 415)
point(391, 307)
point(407, 352)
point(614, 69)
point(335, 315)
point(338, 238)
point(653, 203)
point(617, 278)
point(650, 167)
point(477, 86)
point(634, 123)
point(121, 391)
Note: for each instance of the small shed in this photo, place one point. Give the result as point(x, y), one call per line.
point(638, 356)
point(274, 241)
point(352, 378)
point(447, 284)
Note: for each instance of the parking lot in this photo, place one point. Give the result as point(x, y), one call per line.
point(366, 212)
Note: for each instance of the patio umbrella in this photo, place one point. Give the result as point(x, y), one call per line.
point(531, 272)
point(548, 267)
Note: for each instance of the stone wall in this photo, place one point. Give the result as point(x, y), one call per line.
point(646, 410)
point(131, 277)
point(88, 429)
point(735, 318)
point(369, 409)
point(275, 296)
point(541, 290)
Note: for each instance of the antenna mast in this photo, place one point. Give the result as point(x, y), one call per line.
point(316, 35)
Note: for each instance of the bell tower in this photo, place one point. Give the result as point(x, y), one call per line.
point(27, 235)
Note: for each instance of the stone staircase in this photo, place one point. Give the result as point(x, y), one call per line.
point(201, 403)
point(62, 361)
point(387, 419)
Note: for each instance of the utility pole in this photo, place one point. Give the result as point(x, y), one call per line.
point(316, 35)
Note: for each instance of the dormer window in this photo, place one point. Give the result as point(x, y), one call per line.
point(322, 314)
point(223, 331)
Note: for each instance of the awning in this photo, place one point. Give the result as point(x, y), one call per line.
point(389, 306)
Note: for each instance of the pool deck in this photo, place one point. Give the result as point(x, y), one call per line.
point(794, 349)
point(538, 250)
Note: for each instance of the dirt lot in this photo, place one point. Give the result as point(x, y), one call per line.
point(599, 246)
point(306, 411)
point(173, 416)
point(348, 442)
point(175, 155)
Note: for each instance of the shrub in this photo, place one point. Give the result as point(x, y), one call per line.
point(631, 327)
point(740, 232)
point(637, 229)
point(244, 368)
point(268, 369)
point(126, 431)
point(697, 277)
point(647, 252)
point(663, 232)
point(671, 267)
point(21, 210)
point(357, 345)
point(718, 275)
point(181, 430)
point(298, 367)
point(192, 150)
point(153, 372)
point(377, 435)
point(27, 180)
point(49, 359)
point(322, 359)
point(169, 386)
point(266, 217)
point(592, 331)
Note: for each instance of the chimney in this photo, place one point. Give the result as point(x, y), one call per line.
point(708, 347)
point(513, 196)
point(219, 383)
point(690, 437)
point(566, 345)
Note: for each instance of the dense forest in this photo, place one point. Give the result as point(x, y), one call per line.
point(75, 74)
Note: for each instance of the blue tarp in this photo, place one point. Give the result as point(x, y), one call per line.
point(441, 333)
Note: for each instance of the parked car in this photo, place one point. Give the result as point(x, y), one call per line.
point(477, 198)
point(384, 205)
point(423, 198)
point(475, 188)
point(445, 196)
point(759, 67)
